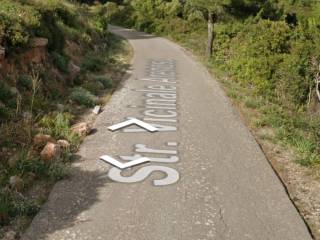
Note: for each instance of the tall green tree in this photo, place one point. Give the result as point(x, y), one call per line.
point(212, 9)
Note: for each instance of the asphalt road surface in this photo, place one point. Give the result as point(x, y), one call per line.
point(207, 179)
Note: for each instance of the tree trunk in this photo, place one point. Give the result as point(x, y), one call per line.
point(210, 34)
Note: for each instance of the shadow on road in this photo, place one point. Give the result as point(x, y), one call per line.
point(67, 203)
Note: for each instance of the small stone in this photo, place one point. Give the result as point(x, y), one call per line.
point(42, 139)
point(96, 110)
point(63, 143)
point(16, 183)
point(82, 129)
point(50, 151)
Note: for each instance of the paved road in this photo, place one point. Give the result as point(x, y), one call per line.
point(207, 179)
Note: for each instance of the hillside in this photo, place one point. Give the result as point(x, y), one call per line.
point(57, 59)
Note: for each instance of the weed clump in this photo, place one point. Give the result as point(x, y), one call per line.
point(94, 87)
point(93, 62)
point(25, 82)
point(58, 126)
point(106, 82)
point(83, 97)
point(60, 61)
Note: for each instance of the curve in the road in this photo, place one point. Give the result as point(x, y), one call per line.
point(207, 178)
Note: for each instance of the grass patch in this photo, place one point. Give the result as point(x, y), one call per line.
point(58, 126)
point(60, 61)
point(106, 82)
point(14, 204)
point(93, 86)
point(93, 62)
point(83, 97)
point(251, 103)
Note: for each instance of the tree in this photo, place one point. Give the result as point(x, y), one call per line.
point(212, 9)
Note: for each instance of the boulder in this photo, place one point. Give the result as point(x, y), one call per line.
point(63, 143)
point(37, 52)
point(82, 129)
point(42, 139)
point(16, 183)
point(50, 151)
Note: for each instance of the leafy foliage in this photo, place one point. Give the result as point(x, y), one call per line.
point(93, 62)
point(83, 97)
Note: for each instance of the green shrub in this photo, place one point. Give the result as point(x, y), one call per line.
point(27, 165)
point(60, 61)
point(93, 62)
point(257, 53)
point(4, 112)
point(59, 127)
point(25, 82)
point(5, 207)
point(83, 97)
point(94, 87)
point(50, 29)
point(17, 19)
point(251, 103)
point(106, 82)
point(14, 204)
point(5, 93)
point(58, 170)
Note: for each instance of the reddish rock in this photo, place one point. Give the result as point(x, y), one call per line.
point(82, 129)
point(35, 55)
point(50, 151)
point(63, 143)
point(37, 52)
point(42, 139)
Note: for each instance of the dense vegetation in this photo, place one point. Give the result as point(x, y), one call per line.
point(43, 97)
point(268, 48)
